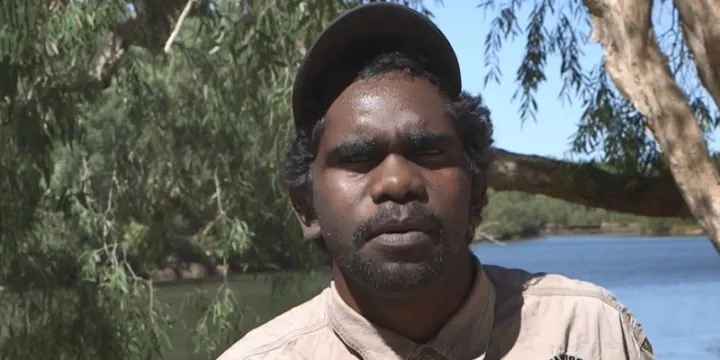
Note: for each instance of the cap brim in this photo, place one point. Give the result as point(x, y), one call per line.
point(370, 30)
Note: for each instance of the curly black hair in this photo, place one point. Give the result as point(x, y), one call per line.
point(470, 115)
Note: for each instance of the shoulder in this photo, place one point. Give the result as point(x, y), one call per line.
point(518, 282)
point(576, 301)
point(264, 341)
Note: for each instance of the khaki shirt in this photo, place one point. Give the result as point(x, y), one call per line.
point(510, 314)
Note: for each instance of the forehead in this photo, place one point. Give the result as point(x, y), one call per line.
point(387, 106)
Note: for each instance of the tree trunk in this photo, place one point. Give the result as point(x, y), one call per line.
point(641, 73)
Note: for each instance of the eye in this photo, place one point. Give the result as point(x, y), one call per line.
point(358, 163)
point(427, 151)
point(431, 157)
point(354, 159)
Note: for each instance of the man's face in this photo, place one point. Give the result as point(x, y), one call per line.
point(391, 184)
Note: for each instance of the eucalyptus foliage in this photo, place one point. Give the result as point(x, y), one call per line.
point(171, 161)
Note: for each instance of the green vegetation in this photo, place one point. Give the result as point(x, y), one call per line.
point(119, 160)
point(174, 163)
point(517, 215)
point(259, 299)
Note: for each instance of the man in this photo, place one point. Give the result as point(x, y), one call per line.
point(387, 172)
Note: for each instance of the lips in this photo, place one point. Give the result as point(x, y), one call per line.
point(403, 226)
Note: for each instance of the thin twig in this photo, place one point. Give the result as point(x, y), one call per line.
point(489, 238)
point(176, 30)
point(218, 193)
point(221, 215)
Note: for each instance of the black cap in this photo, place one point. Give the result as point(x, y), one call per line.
point(357, 36)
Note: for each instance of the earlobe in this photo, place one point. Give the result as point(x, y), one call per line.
point(310, 228)
point(303, 209)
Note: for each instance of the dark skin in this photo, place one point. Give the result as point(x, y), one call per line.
point(390, 154)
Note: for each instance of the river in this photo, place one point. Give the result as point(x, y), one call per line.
point(671, 284)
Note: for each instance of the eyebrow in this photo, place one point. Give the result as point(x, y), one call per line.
point(415, 139)
point(429, 139)
point(354, 147)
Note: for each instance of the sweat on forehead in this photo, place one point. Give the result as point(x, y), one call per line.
point(394, 98)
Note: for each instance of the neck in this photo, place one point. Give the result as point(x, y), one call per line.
point(400, 312)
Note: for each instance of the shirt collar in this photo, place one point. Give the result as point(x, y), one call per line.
point(464, 336)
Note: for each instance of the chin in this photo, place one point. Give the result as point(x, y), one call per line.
point(395, 277)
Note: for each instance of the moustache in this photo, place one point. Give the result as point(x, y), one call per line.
point(415, 211)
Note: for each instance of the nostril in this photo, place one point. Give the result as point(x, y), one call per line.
point(400, 190)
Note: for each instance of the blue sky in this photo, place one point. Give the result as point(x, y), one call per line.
point(465, 25)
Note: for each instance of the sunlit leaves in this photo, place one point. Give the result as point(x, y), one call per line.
point(568, 44)
point(504, 26)
point(530, 73)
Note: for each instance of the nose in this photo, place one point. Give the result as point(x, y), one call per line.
point(398, 180)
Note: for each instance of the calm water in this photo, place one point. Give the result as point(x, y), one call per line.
point(672, 285)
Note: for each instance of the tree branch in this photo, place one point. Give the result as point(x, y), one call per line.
point(587, 184)
point(701, 29)
point(178, 25)
point(150, 29)
point(641, 73)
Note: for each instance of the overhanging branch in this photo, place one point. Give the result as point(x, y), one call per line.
point(587, 184)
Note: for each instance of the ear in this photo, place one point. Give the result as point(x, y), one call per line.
point(303, 208)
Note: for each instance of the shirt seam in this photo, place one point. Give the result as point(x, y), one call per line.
point(345, 336)
point(605, 297)
point(305, 330)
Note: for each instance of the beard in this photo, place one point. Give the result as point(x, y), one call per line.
point(376, 272)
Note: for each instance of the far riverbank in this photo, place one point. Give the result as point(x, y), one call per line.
point(605, 228)
point(197, 272)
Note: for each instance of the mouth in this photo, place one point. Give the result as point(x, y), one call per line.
point(399, 227)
